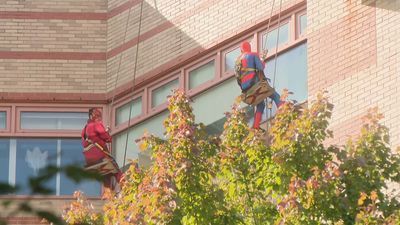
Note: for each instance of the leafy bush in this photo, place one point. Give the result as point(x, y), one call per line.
point(239, 178)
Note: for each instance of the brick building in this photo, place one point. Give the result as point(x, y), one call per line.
point(60, 58)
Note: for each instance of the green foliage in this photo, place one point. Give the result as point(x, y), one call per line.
point(240, 178)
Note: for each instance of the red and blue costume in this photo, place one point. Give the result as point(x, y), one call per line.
point(250, 64)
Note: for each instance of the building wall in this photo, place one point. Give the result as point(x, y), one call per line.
point(174, 31)
point(353, 49)
point(53, 46)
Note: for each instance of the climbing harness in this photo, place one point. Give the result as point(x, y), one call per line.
point(261, 89)
point(107, 165)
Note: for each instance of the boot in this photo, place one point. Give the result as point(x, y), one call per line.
point(257, 120)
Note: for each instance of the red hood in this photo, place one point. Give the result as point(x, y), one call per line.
point(245, 46)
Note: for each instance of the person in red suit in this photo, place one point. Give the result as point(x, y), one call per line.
point(251, 63)
point(94, 141)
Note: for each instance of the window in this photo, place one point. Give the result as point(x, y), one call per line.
point(122, 113)
point(53, 120)
point(159, 95)
point(303, 24)
point(34, 155)
point(230, 59)
point(201, 75)
point(219, 99)
point(153, 125)
point(3, 120)
point(293, 77)
point(4, 160)
point(71, 154)
point(270, 42)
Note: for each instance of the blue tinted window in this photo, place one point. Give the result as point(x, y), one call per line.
point(71, 154)
point(3, 119)
point(33, 155)
point(4, 160)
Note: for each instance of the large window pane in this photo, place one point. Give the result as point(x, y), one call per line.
point(153, 125)
point(271, 37)
point(71, 154)
point(33, 155)
point(159, 95)
point(3, 120)
point(201, 75)
point(220, 100)
point(291, 72)
point(303, 24)
point(53, 120)
point(4, 160)
point(122, 113)
point(230, 59)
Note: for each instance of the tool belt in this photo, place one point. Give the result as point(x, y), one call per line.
point(107, 165)
point(257, 93)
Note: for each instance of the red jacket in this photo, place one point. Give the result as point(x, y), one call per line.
point(95, 132)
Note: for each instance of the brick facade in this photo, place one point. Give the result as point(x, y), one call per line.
point(170, 29)
point(353, 49)
point(53, 46)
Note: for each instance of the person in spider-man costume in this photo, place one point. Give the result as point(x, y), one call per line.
point(94, 141)
point(250, 64)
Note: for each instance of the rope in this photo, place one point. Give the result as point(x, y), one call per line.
point(275, 55)
point(277, 42)
point(134, 79)
point(119, 64)
point(269, 23)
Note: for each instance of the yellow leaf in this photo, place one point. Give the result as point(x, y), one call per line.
point(362, 199)
point(143, 146)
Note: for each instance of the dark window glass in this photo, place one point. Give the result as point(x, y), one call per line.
point(4, 159)
point(33, 156)
point(3, 120)
point(71, 154)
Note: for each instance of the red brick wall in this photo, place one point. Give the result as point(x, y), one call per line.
point(352, 49)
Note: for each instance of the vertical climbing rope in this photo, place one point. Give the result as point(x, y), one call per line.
point(276, 49)
point(134, 74)
point(119, 63)
point(134, 78)
point(275, 54)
